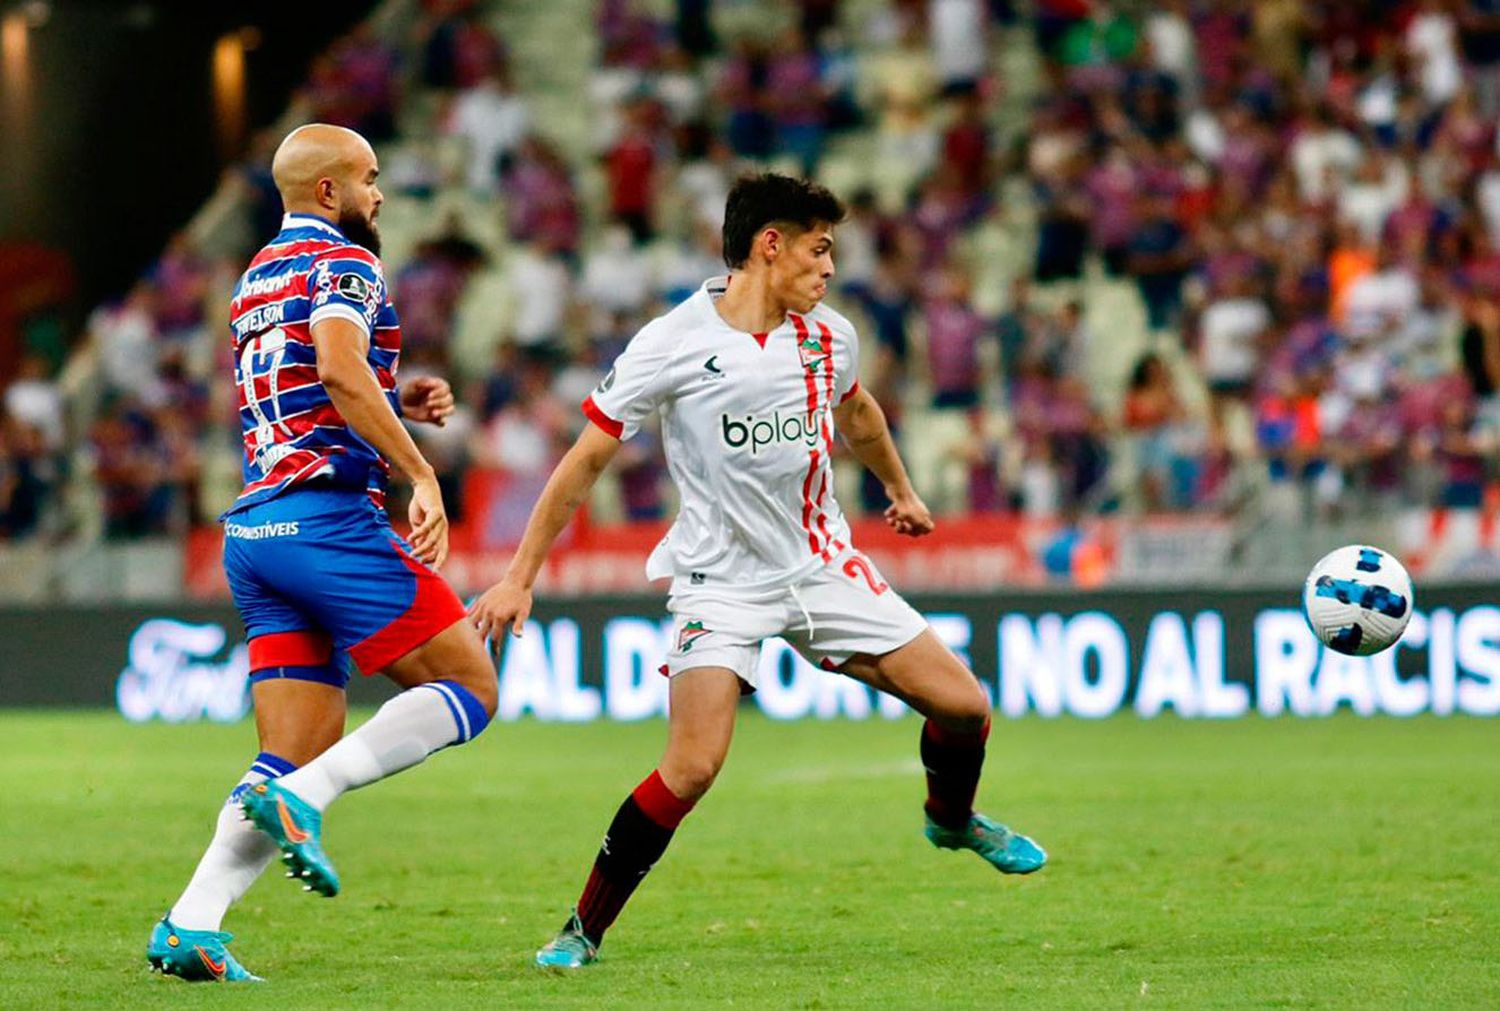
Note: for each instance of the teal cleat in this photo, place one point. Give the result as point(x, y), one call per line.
point(1009, 852)
point(296, 826)
point(570, 949)
point(199, 956)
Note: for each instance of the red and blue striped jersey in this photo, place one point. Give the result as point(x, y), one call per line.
point(292, 432)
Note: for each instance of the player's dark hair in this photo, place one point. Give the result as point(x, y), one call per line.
point(770, 199)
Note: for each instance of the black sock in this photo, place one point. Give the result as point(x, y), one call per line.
point(953, 761)
point(638, 836)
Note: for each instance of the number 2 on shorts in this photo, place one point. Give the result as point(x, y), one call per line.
point(858, 566)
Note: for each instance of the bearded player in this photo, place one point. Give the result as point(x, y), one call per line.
point(318, 575)
point(752, 376)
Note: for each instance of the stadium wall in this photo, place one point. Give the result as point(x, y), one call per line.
point(1088, 654)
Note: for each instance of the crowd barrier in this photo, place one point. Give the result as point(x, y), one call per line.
point(1197, 653)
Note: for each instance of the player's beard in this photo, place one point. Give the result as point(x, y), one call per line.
point(360, 230)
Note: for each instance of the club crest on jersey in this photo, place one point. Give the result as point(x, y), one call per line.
point(690, 633)
point(815, 357)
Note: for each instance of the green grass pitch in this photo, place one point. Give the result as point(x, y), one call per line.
point(1257, 863)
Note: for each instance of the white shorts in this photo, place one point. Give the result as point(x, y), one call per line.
point(841, 609)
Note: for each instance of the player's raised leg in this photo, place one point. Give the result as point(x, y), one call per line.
point(296, 720)
point(704, 701)
point(927, 676)
point(449, 699)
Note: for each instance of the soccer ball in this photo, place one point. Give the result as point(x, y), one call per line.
point(1358, 600)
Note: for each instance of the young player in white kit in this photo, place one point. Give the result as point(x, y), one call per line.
point(752, 376)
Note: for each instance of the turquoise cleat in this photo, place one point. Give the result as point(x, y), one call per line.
point(199, 956)
point(1009, 852)
point(296, 827)
point(570, 949)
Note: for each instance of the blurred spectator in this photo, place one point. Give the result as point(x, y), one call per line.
point(1019, 327)
point(1233, 327)
point(1432, 43)
point(616, 276)
point(524, 440)
point(461, 51)
point(1381, 301)
point(1322, 155)
point(1159, 255)
point(640, 469)
point(542, 286)
point(428, 289)
point(959, 53)
point(796, 99)
point(354, 85)
point(1112, 186)
point(741, 91)
point(686, 264)
point(1457, 446)
point(493, 118)
point(1481, 354)
point(180, 280)
point(631, 169)
point(1165, 440)
point(34, 400)
point(1062, 234)
point(954, 330)
point(127, 453)
point(125, 336)
point(677, 85)
point(966, 144)
point(540, 200)
point(28, 474)
point(1169, 34)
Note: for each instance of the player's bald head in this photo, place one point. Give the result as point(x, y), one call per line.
point(315, 152)
point(330, 172)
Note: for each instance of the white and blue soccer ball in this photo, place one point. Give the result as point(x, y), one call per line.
point(1358, 600)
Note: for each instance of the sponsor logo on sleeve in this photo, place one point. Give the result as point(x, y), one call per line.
point(322, 281)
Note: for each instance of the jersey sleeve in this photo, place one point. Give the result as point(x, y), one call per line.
point(349, 284)
point(637, 385)
point(845, 361)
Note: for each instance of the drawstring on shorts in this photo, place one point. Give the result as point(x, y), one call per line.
point(812, 629)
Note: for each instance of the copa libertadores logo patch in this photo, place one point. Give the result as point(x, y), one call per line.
point(353, 287)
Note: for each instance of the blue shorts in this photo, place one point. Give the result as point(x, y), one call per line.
point(320, 579)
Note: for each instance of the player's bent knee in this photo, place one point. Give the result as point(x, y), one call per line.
point(476, 671)
point(966, 712)
point(690, 778)
point(479, 679)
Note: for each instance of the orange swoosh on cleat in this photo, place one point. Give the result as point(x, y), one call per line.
point(217, 968)
point(293, 833)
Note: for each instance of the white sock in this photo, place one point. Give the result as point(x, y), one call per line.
point(237, 855)
point(402, 733)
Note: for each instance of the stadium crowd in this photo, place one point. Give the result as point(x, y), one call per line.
point(1261, 263)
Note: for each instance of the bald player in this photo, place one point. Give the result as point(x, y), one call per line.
point(320, 578)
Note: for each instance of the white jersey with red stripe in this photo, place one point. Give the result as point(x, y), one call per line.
point(747, 424)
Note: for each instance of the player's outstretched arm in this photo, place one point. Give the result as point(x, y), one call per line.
point(343, 369)
point(862, 424)
point(508, 602)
